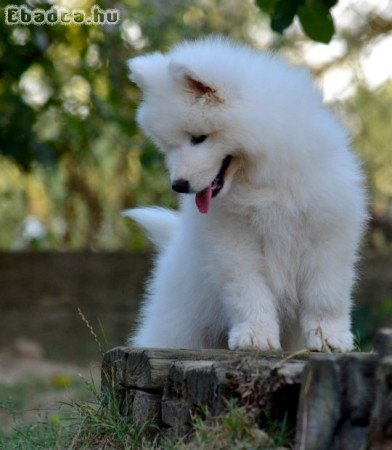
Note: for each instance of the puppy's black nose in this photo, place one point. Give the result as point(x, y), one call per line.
point(181, 186)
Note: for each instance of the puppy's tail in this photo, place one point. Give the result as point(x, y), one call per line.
point(159, 223)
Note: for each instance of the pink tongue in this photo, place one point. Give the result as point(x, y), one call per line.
point(203, 200)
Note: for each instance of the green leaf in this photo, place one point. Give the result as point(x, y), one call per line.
point(329, 3)
point(316, 21)
point(283, 14)
point(267, 6)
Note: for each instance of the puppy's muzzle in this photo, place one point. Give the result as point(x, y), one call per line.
point(181, 186)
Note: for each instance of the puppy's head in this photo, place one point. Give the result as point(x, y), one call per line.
point(187, 114)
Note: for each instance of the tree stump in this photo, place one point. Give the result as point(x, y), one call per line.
point(380, 433)
point(334, 401)
point(165, 387)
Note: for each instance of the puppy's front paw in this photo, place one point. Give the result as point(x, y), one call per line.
point(249, 335)
point(324, 339)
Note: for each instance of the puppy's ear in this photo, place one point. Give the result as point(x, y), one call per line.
point(193, 83)
point(146, 70)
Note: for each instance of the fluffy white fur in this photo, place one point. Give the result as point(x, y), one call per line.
point(272, 262)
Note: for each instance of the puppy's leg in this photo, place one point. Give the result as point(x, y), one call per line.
point(251, 309)
point(237, 265)
point(326, 299)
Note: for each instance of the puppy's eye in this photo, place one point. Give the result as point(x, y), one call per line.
point(198, 139)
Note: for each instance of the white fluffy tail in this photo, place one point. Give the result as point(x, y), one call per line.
point(159, 223)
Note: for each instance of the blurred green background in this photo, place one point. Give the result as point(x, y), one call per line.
point(71, 157)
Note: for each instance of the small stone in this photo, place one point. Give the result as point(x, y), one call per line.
point(27, 348)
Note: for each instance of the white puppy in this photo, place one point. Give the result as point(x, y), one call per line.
point(262, 250)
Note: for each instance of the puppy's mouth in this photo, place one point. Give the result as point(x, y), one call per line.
point(203, 198)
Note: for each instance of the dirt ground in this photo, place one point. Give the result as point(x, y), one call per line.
point(33, 387)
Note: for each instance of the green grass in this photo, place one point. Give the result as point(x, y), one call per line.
point(33, 413)
point(47, 433)
point(236, 429)
point(91, 422)
point(97, 424)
